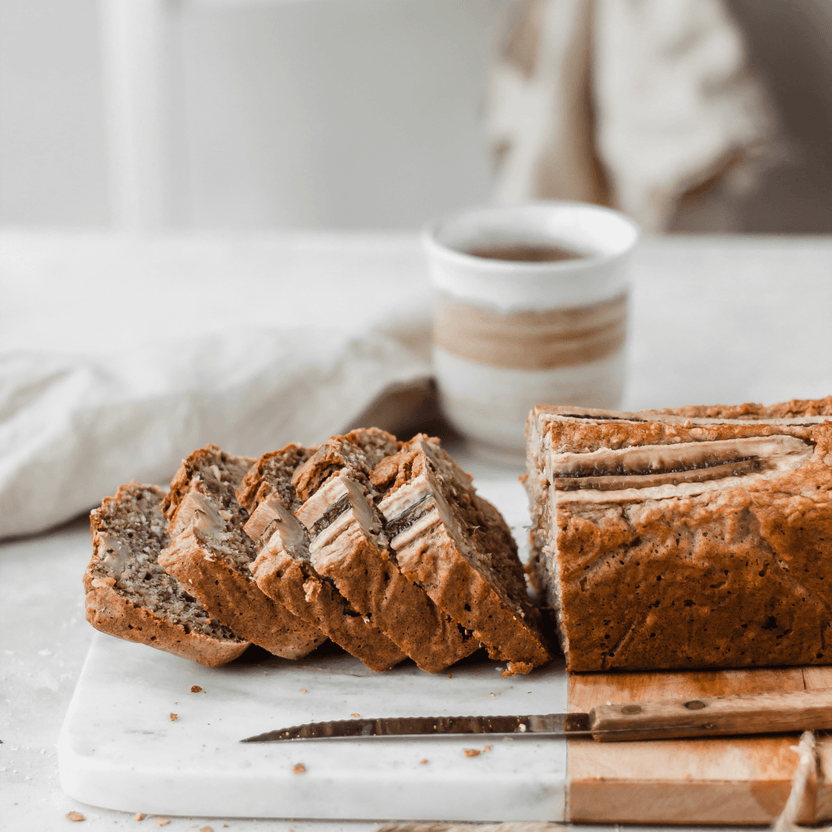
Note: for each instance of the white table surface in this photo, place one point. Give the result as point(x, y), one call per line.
point(714, 319)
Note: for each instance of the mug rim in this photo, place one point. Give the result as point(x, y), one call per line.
point(431, 242)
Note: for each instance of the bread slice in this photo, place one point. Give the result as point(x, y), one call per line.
point(211, 554)
point(130, 596)
point(283, 568)
point(458, 548)
point(348, 545)
point(694, 538)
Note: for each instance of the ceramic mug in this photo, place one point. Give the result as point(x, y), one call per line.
point(530, 308)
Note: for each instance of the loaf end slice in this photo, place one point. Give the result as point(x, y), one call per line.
point(211, 554)
point(457, 546)
point(130, 596)
point(283, 567)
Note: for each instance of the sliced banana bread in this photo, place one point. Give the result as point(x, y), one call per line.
point(347, 544)
point(211, 554)
point(129, 595)
point(283, 568)
point(685, 539)
point(458, 548)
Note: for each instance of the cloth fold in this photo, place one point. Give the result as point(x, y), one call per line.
point(74, 428)
point(637, 104)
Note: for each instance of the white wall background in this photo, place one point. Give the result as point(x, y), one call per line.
point(51, 123)
point(339, 113)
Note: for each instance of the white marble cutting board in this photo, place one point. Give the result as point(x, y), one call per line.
point(120, 749)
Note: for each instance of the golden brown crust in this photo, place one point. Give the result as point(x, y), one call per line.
point(236, 601)
point(111, 613)
point(374, 585)
point(319, 603)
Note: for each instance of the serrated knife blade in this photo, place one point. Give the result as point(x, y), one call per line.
point(732, 715)
point(415, 726)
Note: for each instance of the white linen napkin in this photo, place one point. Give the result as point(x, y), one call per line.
point(74, 428)
point(639, 104)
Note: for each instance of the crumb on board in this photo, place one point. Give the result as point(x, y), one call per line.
point(139, 816)
point(450, 675)
point(196, 689)
point(424, 762)
point(298, 768)
point(205, 829)
point(303, 690)
point(355, 716)
point(471, 752)
point(486, 748)
point(173, 717)
point(75, 817)
point(161, 821)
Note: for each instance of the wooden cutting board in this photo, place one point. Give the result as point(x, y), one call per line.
point(736, 781)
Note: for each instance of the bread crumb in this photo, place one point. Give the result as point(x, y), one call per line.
point(303, 690)
point(196, 689)
point(471, 752)
point(174, 717)
point(486, 748)
point(355, 716)
point(205, 829)
point(424, 762)
point(75, 817)
point(299, 768)
point(161, 821)
point(138, 816)
point(450, 675)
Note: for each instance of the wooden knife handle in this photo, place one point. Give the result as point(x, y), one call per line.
point(712, 716)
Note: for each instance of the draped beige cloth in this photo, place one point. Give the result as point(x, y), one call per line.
point(639, 104)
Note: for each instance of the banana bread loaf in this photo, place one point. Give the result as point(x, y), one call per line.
point(694, 538)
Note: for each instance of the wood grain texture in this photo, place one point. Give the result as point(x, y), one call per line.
point(730, 781)
point(735, 714)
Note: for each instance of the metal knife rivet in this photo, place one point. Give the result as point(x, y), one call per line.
point(631, 709)
point(695, 705)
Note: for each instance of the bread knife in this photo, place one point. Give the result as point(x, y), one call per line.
point(707, 716)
